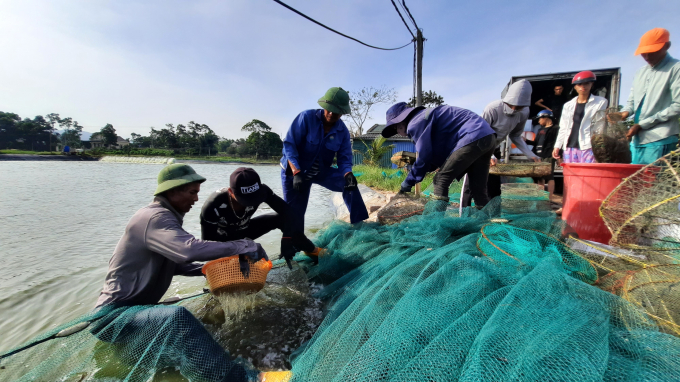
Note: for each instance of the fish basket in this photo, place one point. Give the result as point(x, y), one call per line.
point(224, 275)
point(535, 170)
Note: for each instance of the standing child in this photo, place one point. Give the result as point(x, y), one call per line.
point(543, 146)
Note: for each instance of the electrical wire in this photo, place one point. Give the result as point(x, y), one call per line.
point(402, 19)
point(334, 31)
point(409, 14)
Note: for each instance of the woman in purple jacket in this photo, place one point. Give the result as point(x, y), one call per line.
point(454, 140)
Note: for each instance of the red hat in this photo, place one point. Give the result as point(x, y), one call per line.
point(653, 41)
point(584, 76)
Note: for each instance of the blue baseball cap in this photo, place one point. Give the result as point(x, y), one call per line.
point(396, 114)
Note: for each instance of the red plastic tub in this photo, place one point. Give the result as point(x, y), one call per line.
point(586, 185)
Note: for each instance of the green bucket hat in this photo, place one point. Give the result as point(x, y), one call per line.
point(176, 175)
point(336, 100)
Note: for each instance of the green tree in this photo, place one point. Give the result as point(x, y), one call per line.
point(52, 120)
point(224, 144)
point(375, 151)
point(108, 135)
point(257, 140)
point(361, 103)
point(72, 132)
point(430, 99)
point(140, 141)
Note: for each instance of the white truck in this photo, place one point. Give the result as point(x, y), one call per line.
point(608, 85)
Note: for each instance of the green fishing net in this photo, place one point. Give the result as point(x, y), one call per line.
point(484, 296)
point(449, 295)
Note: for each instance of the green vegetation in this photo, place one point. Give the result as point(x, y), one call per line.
point(12, 151)
point(373, 177)
point(375, 151)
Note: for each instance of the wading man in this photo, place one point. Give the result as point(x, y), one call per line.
point(153, 249)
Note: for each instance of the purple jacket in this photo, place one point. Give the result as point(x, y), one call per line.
point(439, 131)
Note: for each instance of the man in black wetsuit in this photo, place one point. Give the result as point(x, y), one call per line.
point(228, 215)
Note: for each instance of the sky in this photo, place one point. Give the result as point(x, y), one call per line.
point(138, 64)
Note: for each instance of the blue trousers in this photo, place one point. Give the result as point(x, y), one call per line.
point(330, 178)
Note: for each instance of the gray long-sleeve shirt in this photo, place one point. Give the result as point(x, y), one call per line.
point(152, 250)
point(504, 125)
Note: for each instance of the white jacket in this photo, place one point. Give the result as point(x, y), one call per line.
point(594, 104)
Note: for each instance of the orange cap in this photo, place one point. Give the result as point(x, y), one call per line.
point(653, 41)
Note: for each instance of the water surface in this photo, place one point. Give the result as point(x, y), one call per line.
point(59, 224)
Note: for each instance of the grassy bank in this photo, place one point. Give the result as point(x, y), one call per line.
point(29, 152)
point(391, 181)
point(230, 159)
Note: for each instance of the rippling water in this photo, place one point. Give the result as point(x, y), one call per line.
point(59, 224)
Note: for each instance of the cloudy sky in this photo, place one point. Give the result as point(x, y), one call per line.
point(137, 64)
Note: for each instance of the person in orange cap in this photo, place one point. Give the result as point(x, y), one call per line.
point(654, 100)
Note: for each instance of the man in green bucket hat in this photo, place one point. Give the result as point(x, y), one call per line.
point(153, 249)
point(315, 138)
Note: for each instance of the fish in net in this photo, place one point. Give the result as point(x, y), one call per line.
point(608, 137)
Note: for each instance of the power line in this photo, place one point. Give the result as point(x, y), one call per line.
point(334, 31)
point(402, 18)
point(404, 11)
point(403, 2)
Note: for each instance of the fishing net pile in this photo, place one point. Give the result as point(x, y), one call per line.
point(475, 297)
point(642, 212)
point(642, 262)
point(608, 137)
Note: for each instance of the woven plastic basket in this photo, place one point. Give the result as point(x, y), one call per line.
point(224, 275)
point(521, 169)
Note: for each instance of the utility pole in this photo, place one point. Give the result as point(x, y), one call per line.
point(419, 80)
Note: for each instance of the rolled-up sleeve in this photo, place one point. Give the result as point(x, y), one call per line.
point(164, 235)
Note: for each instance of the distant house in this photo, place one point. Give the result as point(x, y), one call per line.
point(97, 142)
point(400, 144)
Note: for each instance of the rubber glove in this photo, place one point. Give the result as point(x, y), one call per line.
point(350, 182)
point(298, 181)
point(244, 264)
point(405, 187)
point(287, 250)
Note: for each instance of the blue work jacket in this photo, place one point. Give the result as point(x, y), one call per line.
point(306, 141)
point(439, 131)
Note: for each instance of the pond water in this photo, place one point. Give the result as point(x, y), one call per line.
point(59, 224)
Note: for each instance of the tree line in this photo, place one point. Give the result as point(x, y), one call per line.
point(44, 133)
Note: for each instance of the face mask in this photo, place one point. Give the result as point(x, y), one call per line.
point(508, 110)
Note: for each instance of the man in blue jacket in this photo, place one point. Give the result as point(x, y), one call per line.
point(454, 140)
point(314, 139)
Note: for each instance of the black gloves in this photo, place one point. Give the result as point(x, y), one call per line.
point(350, 182)
point(298, 181)
point(244, 264)
point(245, 259)
point(404, 188)
point(287, 250)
